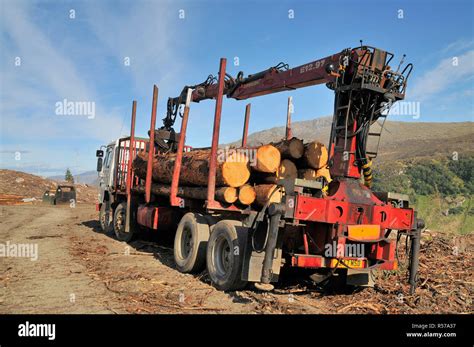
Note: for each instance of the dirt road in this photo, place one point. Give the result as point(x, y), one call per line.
point(81, 270)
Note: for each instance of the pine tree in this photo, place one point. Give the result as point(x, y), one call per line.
point(69, 177)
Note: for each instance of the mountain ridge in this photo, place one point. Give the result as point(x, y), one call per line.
point(400, 140)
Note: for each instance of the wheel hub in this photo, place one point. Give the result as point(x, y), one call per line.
point(223, 256)
point(186, 243)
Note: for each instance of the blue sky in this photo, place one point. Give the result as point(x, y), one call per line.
point(83, 59)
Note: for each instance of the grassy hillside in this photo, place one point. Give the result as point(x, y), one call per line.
point(440, 188)
point(433, 210)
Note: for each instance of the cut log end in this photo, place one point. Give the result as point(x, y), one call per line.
point(227, 194)
point(290, 149)
point(324, 172)
point(315, 155)
point(235, 170)
point(311, 174)
point(268, 159)
point(295, 148)
point(307, 174)
point(247, 194)
point(287, 169)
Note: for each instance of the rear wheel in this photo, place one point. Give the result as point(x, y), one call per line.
point(190, 243)
point(225, 252)
point(119, 223)
point(105, 218)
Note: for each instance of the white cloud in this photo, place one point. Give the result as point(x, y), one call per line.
point(458, 46)
point(50, 71)
point(443, 76)
point(147, 35)
point(44, 77)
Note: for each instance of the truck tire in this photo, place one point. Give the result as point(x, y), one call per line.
point(225, 253)
point(119, 223)
point(104, 218)
point(190, 243)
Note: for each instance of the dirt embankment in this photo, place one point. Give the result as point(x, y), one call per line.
point(81, 270)
point(22, 188)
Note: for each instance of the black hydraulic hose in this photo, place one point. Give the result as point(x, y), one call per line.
point(264, 242)
point(275, 211)
point(397, 256)
point(255, 222)
point(415, 253)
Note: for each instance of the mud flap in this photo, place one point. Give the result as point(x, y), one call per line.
point(253, 263)
point(360, 278)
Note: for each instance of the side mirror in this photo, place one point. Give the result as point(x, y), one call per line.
point(99, 153)
point(99, 164)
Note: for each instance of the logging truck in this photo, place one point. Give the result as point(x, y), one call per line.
point(248, 213)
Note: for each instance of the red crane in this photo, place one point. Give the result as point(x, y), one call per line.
point(350, 213)
point(365, 88)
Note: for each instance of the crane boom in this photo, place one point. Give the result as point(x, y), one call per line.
point(365, 88)
point(275, 79)
point(272, 80)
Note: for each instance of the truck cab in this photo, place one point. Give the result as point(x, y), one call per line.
point(105, 166)
point(112, 166)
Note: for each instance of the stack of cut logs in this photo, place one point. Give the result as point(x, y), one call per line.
point(241, 177)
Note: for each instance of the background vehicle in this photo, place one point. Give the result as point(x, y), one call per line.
point(64, 193)
point(240, 245)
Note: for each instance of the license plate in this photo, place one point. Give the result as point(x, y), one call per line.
point(351, 263)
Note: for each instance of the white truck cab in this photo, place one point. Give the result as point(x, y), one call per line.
point(112, 166)
point(106, 163)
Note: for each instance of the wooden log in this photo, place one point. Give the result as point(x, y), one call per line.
point(226, 194)
point(287, 169)
point(311, 174)
point(223, 194)
point(247, 194)
point(290, 149)
point(324, 172)
point(315, 156)
point(268, 192)
point(233, 170)
point(267, 159)
point(307, 174)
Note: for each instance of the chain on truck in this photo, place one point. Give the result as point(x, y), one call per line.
point(240, 244)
